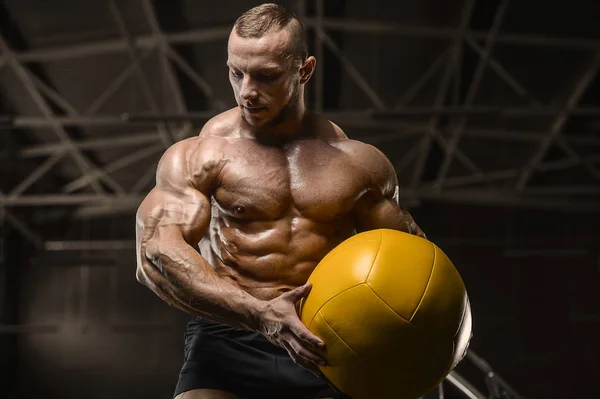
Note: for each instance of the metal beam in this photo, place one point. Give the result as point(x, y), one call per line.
point(53, 95)
point(359, 118)
point(143, 78)
point(198, 80)
point(417, 86)
point(26, 121)
point(351, 70)
point(390, 28)
point(471, 92)
point(529, 136)
point(561, 142)
point(484, 366)
point(133, 139)
point(505, 174)
point(403, 130)
point(502, 198)
point(37, 174)
point(580, 88)
point(115, 85)
point(464, 386)
point(504, 74)
point(112, 167)
point(82, 162)
point(44, 200)
point(170, 78)
point(119, 46)
point(452, 65)
point(407, 158)
point(355, 118)
point(19, 225)
point(204, 35)
point(563, 190)
point(95, 245)
point(525, 247)
point(103, 210)
point(163, 46)
point(127, 204)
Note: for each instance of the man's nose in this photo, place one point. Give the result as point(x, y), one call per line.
point(248, 90)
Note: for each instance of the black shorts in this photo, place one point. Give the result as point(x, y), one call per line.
point(245, 363)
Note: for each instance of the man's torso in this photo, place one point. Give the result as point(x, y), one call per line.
point(277, 210)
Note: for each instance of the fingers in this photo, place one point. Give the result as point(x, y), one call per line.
point(303, 352)
point(298, 328)
point(302, 361)
point(306, 335)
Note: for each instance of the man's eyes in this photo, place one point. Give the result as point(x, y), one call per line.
point(266, 78)
point(260, 77)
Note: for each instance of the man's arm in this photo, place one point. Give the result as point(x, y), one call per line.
point(379, 207)
point(171, 219)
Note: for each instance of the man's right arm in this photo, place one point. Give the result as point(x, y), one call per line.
point(173, 217)
point(169, 222)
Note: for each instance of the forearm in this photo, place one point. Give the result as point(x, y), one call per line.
point(183, 279)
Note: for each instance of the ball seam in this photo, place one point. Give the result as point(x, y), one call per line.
point(426, 285)
point(329, 300)
point(388, 306)
point(356, 285)
point(376, 257)
point(338, 336)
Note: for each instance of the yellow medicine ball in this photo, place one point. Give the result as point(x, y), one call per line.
point(393, 312)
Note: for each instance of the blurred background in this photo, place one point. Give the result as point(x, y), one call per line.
point(488, 109)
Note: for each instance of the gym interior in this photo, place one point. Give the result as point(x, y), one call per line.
point(488, 110)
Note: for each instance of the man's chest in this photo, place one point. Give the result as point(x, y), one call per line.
point(310, 178)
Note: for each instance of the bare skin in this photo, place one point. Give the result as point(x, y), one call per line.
point(265, 191)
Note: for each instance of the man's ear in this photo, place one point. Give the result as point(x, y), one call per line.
point(307, 69)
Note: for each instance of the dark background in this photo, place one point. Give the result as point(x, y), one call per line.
point(75, 323)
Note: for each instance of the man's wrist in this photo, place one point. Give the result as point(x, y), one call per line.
point(256, 309)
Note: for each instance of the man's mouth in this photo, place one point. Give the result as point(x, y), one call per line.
point(254, 110)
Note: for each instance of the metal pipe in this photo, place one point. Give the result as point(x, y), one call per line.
point(464, 386)
point(580, 87)
point(471, 92)
point(134, 139)
point(71, 199)
point(453, 64)
point(144, 80)
point(204, 35)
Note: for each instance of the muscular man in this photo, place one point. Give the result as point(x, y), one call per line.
point(264, 192)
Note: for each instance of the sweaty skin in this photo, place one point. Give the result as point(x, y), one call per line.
point(264, 215)
point(241, 215)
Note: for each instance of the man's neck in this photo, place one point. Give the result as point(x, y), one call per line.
point(289, 128)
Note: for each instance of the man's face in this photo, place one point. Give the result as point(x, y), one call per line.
point(265, 83)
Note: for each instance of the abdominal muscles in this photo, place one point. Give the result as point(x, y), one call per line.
point(268, 258)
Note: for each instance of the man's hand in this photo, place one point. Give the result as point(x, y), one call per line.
point(280, 323)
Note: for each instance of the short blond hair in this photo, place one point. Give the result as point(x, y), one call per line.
point(270, 17)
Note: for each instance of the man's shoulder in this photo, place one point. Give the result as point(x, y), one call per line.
point(365, 157)
point(210, 141)
point(357, 149)
point(224, 125)
point(361, 153)
point(197, 147)
point(193, 155)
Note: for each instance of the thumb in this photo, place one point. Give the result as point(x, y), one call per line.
point(300, 292)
